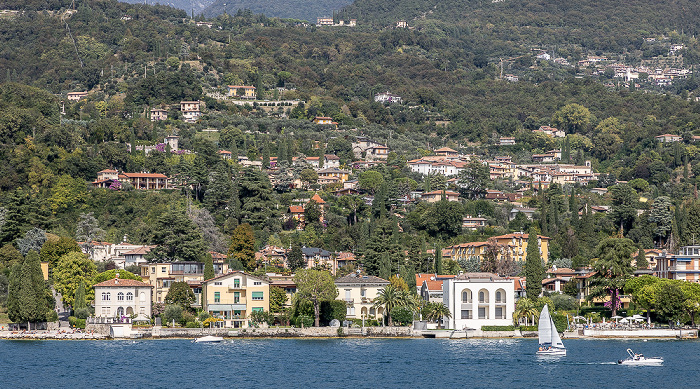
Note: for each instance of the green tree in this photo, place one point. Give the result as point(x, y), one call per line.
point(88, 231)
point(614, 267)
point(181, 294)
point(209, 267)
point(371, 181)
point(54, 249)
point(112, 274)
point(312, 212)
point(295, 259)
point(72, 270)
point(243, 246)
point(572, 118)
point(29, 299)
point(33, 239)
point(438, 260)
point(439, 312)
point(389, 298)
point(642, 262)
point(258, 207)
point(662, 214)
point(534, 272)
point(473, 180)
point(79, 301)
point(278, 299)
point(177, 239)
point(315, 286)
point(669, 301)
point(691, 292)
point(624, 205)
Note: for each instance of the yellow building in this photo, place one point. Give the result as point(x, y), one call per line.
point(161, 275)
point(510, 245)
point(358, 292)
point(518, 243)
point(242, 91)
point(232, 297)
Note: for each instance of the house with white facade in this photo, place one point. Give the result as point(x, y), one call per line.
point(358, 292)
point(479, 299)
point(121, 299)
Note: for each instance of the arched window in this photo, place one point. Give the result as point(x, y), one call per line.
point(501, 296)
point(120, 296)
point(483, 296)
point(105, 296)
point(467, 296)
point(129, 296)
point(142, 296)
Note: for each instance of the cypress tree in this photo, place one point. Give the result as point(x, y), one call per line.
point(266, 156)
point(295, 260)
point(209, 267)
point(438, 260)
point(534, 273)
point(290, 152)
point(281, 150)
point(642, 262)
point(385, 266)
point(79, 301)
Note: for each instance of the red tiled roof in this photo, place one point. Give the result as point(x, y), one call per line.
point(145, 175)
point(519, 235)
point(296, 209)
point(317, 199)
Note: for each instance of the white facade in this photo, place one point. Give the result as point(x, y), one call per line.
point(122, 298)
point(479, 299)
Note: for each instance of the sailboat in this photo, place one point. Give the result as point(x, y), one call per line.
point(550, 342)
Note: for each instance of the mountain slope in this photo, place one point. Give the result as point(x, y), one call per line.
point(294, 9)
point(196, 6)
point(604, 24)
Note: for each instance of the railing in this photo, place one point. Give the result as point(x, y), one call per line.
point(108, 320)
point(349, 300)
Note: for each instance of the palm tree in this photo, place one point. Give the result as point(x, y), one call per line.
point(525, 308)
point(440, 311)
point(390, 297)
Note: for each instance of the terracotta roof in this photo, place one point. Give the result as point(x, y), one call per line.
point(439, 192)
point(140, 250)
point(241, 86)
point(317, 199)
point(311, 158)
point(123, 282)
point(296, 209)
point(108, 171)
point(447, 149)
point(216, 255)
point(224, 152)
point(433, 284)
point(145, 175)
point(331, 156)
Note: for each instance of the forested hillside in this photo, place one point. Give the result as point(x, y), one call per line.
point(294, 9)
point(132, 58)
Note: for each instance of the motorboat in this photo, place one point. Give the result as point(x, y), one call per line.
point(640, 360)
point(208, 339)
point(550, 341)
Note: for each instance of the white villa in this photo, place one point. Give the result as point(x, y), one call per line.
point(479, 299)
point(358, 292)
point(122, 298)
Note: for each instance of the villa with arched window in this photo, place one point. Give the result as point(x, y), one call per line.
point(479, 299)
point(120, 298)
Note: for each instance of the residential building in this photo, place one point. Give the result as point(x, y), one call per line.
point(386, 97)
point(430, 286)
point(76, 96)
point(135, 257)
point(372, 150)
point(146, 181)
point(325, 120)
point(507, 141)
point(333, 172)
point(479, 299)
point(551, 131)
point(668, 138)
point(511, 246)
point(331, 161)
point(241, 91)
point(519, 240)
point(105, 251)
point(684, 265)
point(224, 154)
point(162, 275)
point(121, 298)
point(315, 257)
point(447, 152)
point(402, 24)
point(324, 21)
point(437, 195)
point(474, 223)
point(191, 110)
point(234, 296)
point(158, 114)
point(358, 292)
point(285, 282)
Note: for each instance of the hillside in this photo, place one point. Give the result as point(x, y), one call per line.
point(294, 9)
point(190, 6)
point(595, 24)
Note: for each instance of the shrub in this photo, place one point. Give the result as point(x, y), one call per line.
point(191, 324)
point(51, 316)
point(82, 313)
point(402, 315)
point(304, 320)
point(172, 312)
point(259, 317)
point(528, 328)
point(497, 328)
point(334, 309)
point(76, 323)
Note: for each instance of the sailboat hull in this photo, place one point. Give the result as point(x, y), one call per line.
point(552, 351)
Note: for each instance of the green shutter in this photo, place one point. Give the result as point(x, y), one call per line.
point(257, 309)
point(257, 295)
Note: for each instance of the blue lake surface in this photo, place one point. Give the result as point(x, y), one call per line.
point(342, 363)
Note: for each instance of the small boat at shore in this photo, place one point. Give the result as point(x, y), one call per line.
point(209, 339)
point(640, 360)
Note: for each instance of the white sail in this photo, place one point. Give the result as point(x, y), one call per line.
point(556, 340)
point(545, 327)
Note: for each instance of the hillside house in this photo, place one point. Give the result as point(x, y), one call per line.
point(241, 91)
point(191, 110)
point(158, 114)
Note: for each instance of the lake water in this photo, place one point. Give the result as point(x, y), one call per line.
point(342, 363)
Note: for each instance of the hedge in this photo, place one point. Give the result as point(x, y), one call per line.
point(528, 328)
point(497, 328)
point(76, 323)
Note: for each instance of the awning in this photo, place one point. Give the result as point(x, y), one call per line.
point(226, 307)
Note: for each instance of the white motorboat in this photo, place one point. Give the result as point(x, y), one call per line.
point(550, 342)
point(208, 339)
point(640, 360)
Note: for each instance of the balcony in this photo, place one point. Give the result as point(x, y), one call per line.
point(236, 287)
point(349, 300)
